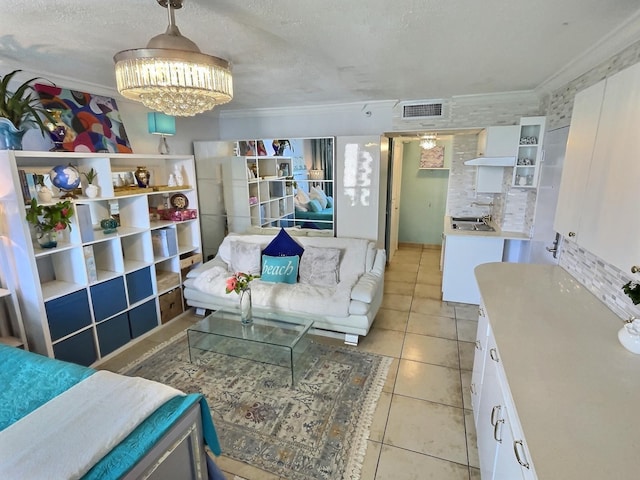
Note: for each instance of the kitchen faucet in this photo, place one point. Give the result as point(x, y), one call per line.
point(485, 218)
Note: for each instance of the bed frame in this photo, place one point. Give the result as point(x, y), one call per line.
point(180, 453)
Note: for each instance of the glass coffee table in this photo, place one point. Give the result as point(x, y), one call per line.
point(274, 339)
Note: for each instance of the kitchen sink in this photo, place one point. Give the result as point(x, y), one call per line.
point(470, 226)
point(467, 219)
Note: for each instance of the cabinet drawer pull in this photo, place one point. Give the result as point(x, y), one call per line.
point(481, 311)
point(494, 411)
point(493, 353)
point(497, 426)
point(572, 234)
point(635, 269)
point(478, 345)
point(472, 387)
point(516, 450)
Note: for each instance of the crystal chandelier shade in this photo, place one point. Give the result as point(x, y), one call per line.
point(427, 142)
point(171, 75)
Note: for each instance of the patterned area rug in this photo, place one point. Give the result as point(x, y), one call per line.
point(317, 430)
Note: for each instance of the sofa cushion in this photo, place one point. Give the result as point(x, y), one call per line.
point(320, 266)
point(283, 245)
point(365, 289)
point(280, 269)
point(245, 257)
point(329, 201)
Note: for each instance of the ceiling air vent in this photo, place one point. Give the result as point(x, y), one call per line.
point(422, 110)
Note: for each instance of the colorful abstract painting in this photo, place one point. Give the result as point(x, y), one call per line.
point(85, 122)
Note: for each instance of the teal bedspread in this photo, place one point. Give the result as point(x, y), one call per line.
point(28, 380)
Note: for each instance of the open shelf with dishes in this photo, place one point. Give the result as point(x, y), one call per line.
point(529, 154)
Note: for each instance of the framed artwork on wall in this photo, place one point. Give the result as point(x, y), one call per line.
point(84, 122)
point(432, 157)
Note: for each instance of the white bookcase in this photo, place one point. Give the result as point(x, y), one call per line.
point(97, 291)
point(257, 192)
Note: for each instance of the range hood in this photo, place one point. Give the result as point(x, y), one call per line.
point(492, 161)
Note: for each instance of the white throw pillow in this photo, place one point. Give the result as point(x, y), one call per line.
point(320, 266)
point(299, 206)
point(318, 194)
point(302, 197)
point(245, 257)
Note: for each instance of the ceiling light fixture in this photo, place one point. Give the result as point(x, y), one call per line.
point(171, 75)
point(427, 142)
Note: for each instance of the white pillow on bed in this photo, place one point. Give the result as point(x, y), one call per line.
point(318, 194)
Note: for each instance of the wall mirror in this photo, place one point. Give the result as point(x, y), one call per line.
point(290, 182)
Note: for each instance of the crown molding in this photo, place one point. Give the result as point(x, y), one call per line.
point(611, 44)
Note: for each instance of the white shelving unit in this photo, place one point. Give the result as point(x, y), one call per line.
point(97, 291)
point(260, 193)
point(529, 155)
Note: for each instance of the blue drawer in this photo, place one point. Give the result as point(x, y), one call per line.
point(78, 349)
point(139, 285)
point(68, 314)
point(113, 333)
point(108, 298)
point(143, 318)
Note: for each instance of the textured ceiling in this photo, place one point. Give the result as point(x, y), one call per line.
point(297, 52)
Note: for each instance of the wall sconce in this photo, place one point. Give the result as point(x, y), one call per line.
point(161, 124)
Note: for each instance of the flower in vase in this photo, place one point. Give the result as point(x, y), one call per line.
point(48, 218)
point(239, 282)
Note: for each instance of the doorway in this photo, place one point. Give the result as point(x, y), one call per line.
point(416, 200)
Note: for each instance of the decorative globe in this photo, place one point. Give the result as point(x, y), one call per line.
point(66, 178)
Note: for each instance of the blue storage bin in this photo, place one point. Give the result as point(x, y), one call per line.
point(113, 333)
point(143, 318)
point(68, 314)
point(109, 298)
point(78, 349)
point(139, 285)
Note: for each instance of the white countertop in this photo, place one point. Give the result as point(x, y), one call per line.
point(575, 387)
point(498, 233)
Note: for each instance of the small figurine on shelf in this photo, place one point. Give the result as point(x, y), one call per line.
point(177, 173)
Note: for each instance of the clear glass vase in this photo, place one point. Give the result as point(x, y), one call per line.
point(246, 316)
point(47, 239)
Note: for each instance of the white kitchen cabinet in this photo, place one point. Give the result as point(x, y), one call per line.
point(529, 152)
point(502, 449)
point(610, 229)
point(479, 356)
point(607, 207)
point(577, 161)
point(462, 254)
point(257, 192)
point(497, 141)
point(97, 291)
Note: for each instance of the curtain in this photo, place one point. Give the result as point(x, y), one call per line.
point(322, 149)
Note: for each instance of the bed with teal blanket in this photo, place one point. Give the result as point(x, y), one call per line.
point(168, 443)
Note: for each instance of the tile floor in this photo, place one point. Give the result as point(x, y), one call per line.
point(423, 425)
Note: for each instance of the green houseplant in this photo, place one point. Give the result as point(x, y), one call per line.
point(19, 110)
point(48, 220)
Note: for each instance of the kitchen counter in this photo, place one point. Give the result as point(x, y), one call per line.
point(576, 389)
point(498, 233)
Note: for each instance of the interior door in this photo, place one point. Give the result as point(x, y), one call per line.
point(393, 225)
point(544, 235)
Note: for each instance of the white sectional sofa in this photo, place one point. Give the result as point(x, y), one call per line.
point(348, 307)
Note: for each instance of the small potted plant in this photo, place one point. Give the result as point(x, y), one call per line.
point(48, 220)
point(19, 110)
point(91, 190)
point(632, 290)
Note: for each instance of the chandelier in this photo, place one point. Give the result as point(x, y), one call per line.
point(171, 75)
point(427, 142)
